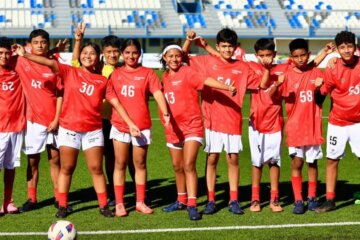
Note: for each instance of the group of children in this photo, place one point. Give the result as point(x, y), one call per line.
point(65, 106)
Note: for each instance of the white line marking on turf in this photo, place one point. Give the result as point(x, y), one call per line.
point(162, 230)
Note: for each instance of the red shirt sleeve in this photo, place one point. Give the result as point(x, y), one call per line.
point(253, 79)
point(197, 80)
point(329, 84)
point(110, 91)
point(154, 82)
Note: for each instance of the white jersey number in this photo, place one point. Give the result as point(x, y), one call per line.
point(306, 96)
point(88, 89)
point(128, 91)
point(170, 97)
point(8, 86)
point(226, 81)
point(35, 83)
point(354, 90)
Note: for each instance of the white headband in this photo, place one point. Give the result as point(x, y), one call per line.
point(171, 47)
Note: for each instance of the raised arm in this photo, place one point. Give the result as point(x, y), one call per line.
point(79, 36)
point(216, 84)
point(190, 37)
point(37, 59)
point(329, 48)
point(276, 85)
point(60, 47)
point(201, 42)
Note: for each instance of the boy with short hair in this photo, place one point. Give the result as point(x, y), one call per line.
point(303, 127)
point(12, 123)
point(222, 113)
point(342, 82)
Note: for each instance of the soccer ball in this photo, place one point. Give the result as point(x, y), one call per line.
point(62, 230)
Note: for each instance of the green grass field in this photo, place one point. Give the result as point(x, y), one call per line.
point(162, 191)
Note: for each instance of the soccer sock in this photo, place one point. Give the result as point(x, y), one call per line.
point(312, 189)
point(140, 192)
point(102, 199)
point(233, 195)
point(192, 202)
point(211, 196)
point(182, 197)
point(119, 193)
point(63, 199)
point(297, 188)
point(56, 194)
point(32, 194)
point(274, 195)
point(330, 195)
point(255, 194)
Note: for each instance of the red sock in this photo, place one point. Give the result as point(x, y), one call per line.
point(32, 194)
point(182, 197)
point(140, 192)
point(233, 195)
point(63, 199)
point(312, 189)
point(255, 194)
point(297, 188)
point(7, 196)
point(274, 195)
point(56, 194)
point(119, 193)
point(192, 202)
point(330, 195)
point(102, 199)
point(211, 196)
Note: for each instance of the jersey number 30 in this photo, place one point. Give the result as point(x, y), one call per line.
point(88, 89)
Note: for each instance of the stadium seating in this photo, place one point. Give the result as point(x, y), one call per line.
point(239, 5)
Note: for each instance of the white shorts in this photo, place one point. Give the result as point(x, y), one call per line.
point(311, 153)
point(74, 139)
point(10, 147)
point(264, 147)
point(180, 145)
point(216, 141)
point(338, 136)
point(37, 137)
point(143, 140)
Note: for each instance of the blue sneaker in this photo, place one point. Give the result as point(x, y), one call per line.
point(235, 208)
point(299, 208)
point(210, 208)
point(193, 213)
point(312, 204)
point(174, 207)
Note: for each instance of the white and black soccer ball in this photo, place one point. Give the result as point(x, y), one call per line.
point(62, 230)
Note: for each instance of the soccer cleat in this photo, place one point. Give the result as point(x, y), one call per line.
point(326, 206)
point(56, 204)
point(210, 208)
point(234, 207)
point(174, 207)
point(28, 206)
point(61, 212)
point(111, 202)
point(275, 206)
point(120, 210)
point(193, 213)
point(106, 212)
point(312, 204)
point(10, 208)
point(299, 207)
point(255, 206)
point(143, 208)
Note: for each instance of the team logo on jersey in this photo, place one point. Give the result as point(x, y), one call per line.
point(13, 73)
point(98, 81)
point(278, 73)
point(118, 78)
point(47, 75)
point(139, 78)
point(79, 74)
point(296, 85)
point(342, 80)
point(27, 68)
point(215, 67)
point(176, 82)
point(238, 72)
point(312, 81)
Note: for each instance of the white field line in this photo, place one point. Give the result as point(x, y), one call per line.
point(244, 118)
point(163, 230)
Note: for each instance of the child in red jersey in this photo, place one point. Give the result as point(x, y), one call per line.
point(80, 121)
point(184, 134)
point(42, 89)
point(12, 123)
point(342, 82)
point(303, 127)
point(132, 84)
point(222, 113)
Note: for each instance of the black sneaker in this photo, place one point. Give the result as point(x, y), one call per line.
point(61, 213)
point(28, 206)
point(106, 212)
point(327, 206)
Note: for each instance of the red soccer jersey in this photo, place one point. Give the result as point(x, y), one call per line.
point(343, 84)
point(12, 102)
point(222, 112)
point(40, 86)
point(239, 54)
point(266, 112)
point(303, 126)
point(181, 92)
point(133, 89)
point(83, 95)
